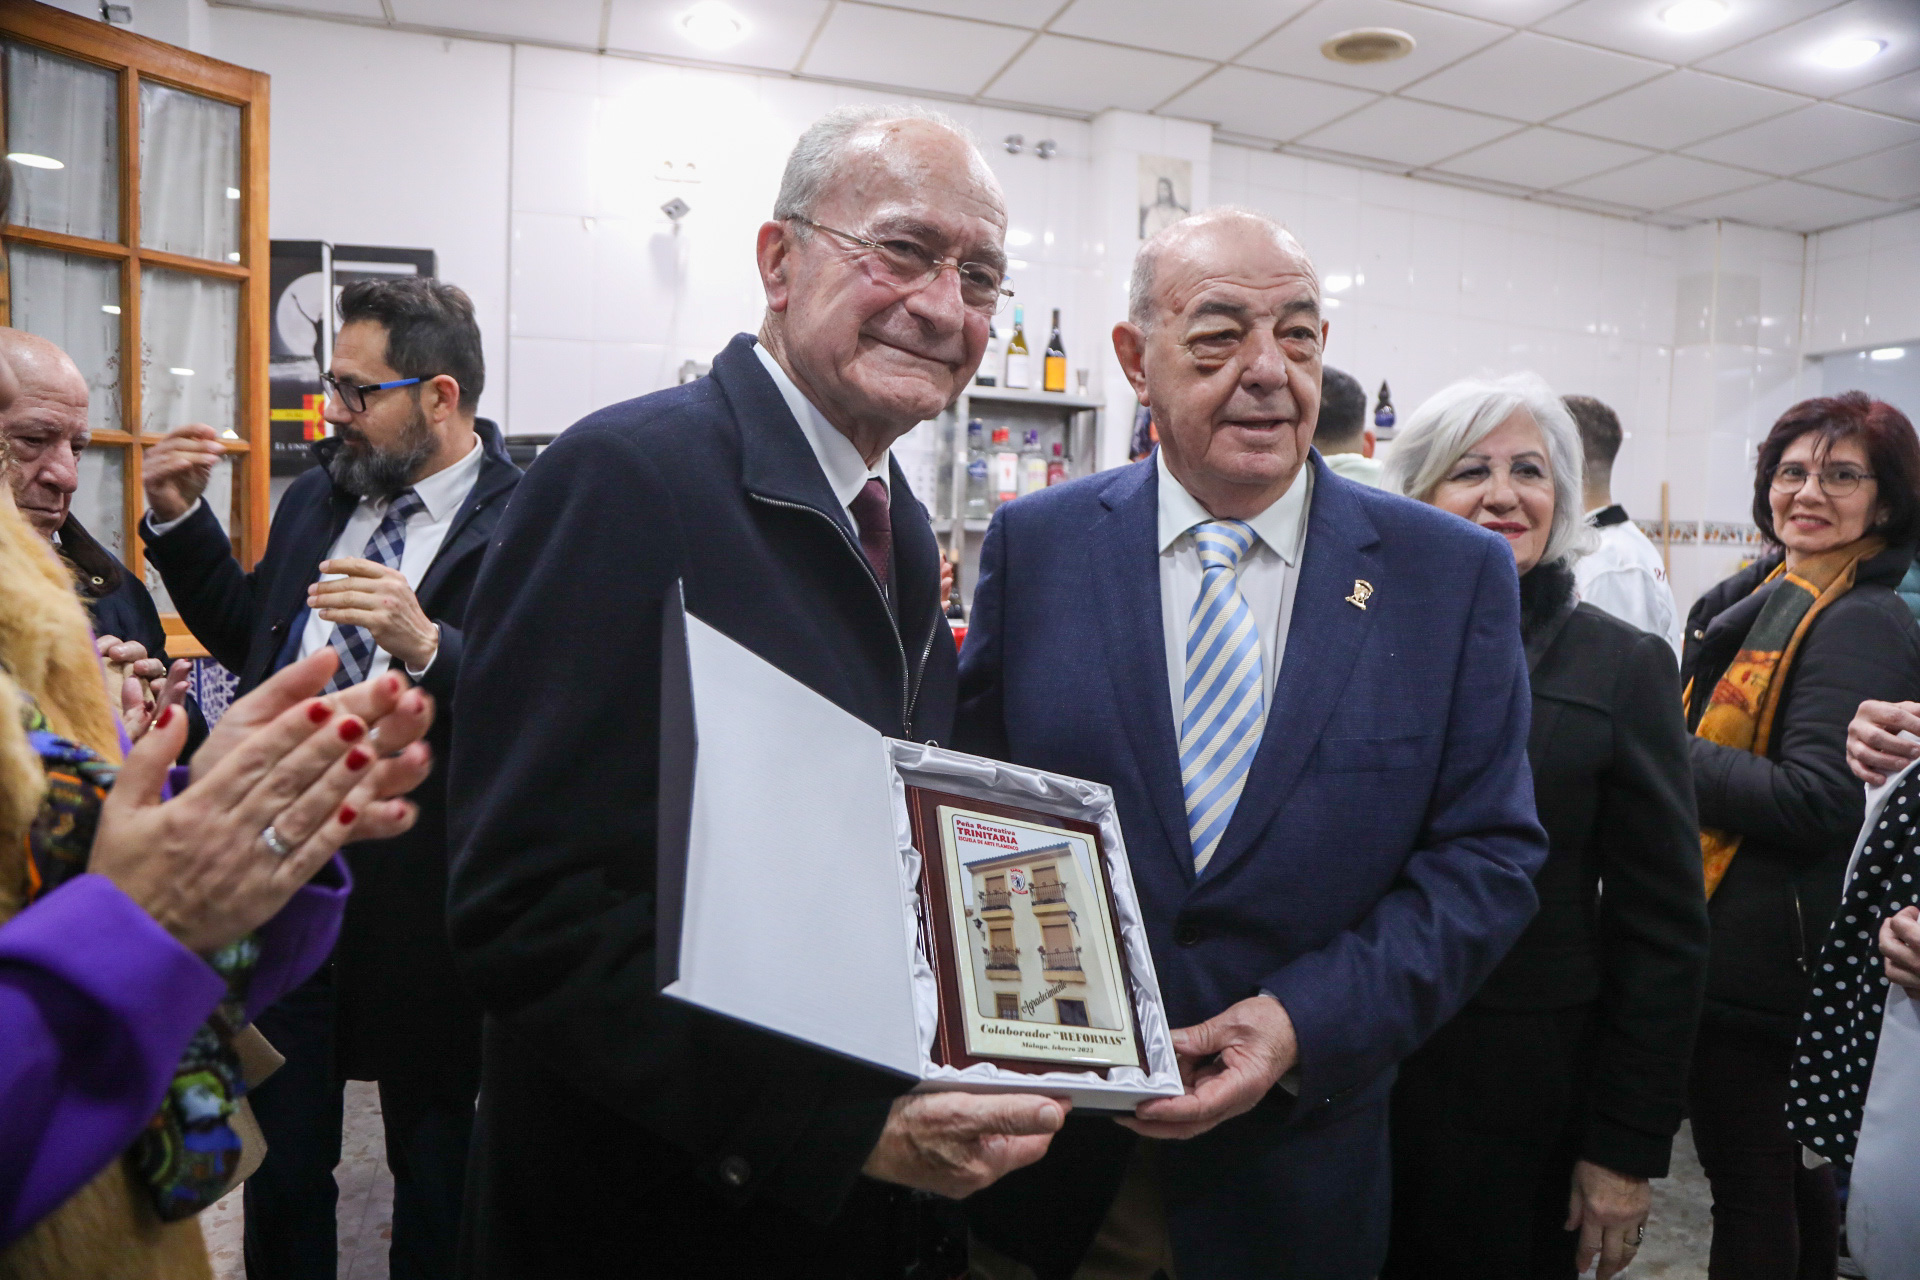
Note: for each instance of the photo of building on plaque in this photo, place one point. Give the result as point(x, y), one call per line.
point(1036, 922)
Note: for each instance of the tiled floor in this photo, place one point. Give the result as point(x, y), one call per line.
point(1676, 1246)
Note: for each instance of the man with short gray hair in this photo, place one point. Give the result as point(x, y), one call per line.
point(621, 1133)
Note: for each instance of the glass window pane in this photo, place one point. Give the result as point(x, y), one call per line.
point(100, 503)
point(63, 142)
point(73, 301)
point(189, 173)
point(190, 334)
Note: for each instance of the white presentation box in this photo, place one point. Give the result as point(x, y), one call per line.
point(791, 890)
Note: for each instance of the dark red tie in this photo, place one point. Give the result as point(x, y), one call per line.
point(871, 516)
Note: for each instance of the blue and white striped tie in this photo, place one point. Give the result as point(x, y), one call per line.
point(388, 543)
point(1223, 713)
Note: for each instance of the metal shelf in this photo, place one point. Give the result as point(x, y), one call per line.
point(1051, 399)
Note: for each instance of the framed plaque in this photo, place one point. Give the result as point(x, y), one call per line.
point(1020, 928)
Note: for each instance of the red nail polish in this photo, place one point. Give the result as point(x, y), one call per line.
point(357, 759)
point(347, 815)
point(319, 713)
point(164, 719)
point(352, 730)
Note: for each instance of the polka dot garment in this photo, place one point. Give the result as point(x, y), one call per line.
point(1833, 1060)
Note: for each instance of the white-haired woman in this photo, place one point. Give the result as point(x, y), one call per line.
point(1525, 1131)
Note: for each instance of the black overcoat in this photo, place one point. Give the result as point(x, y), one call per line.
point(621, 1133)
point(402, 1006)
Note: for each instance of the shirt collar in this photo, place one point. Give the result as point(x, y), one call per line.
point(847, 472)
point(443, 491)
point(1282, 526)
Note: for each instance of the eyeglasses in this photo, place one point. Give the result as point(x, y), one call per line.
point(908, 267)
point(1835, 482)
point(354, 394)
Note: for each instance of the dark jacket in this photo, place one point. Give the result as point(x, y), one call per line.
point(402, 1007)
point(1610, 779)
point(621, 1132)
point(1798, 807)
point(116, 600)
point(1376, 867)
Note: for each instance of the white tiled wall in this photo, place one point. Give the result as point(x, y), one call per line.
point(1864, 286)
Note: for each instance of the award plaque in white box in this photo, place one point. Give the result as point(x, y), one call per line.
point(965, 923)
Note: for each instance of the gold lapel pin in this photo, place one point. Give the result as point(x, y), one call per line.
point(1362, 592)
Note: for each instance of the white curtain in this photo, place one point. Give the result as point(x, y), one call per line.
point(73, 301)
point(189, 174)
point(190, 329)
point(65, 111)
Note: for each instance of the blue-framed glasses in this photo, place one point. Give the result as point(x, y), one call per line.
point(354, 394)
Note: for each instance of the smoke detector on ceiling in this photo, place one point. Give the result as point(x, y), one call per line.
point(1363, 45)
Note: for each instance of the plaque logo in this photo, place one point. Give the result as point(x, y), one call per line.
point(1362, 592)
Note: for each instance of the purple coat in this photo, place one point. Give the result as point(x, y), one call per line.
point(97, 1003)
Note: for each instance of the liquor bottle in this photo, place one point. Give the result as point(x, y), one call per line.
point(1019, 366)
point(1005, 467)
point(977, 506)
point(989, 375)
point(1054, 371)
point(1033, 465)
point(1383, 415)
point(1057, 466)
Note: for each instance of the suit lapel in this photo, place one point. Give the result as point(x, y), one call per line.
point(1324, 638)
point(1125, 565)
point(498, 476)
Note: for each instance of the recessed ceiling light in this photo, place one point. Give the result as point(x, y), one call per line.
point(233, 193)
point(110, 309)
point(1886, 353)
point(1842, 54)
point(1338, 284)
point(1694, 15)
point(33, 161)
point(181, 373)
point(713, 25)
point(1363, 45)
point(1019, 239)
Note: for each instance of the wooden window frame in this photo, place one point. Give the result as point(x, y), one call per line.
point(134, 59)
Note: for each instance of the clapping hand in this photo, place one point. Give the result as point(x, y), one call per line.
point(141, 685)
point(1875, 748)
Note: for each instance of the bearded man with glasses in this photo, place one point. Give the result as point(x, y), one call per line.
point(622, 1133)
point(373, 553)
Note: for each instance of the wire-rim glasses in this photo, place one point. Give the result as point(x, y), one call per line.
point(1835, 482)
point(353, 395)
point(908, 266)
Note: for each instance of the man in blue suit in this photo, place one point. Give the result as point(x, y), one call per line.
point(1310, 700)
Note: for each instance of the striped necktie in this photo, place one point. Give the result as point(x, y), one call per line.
point(388, 543)
point(1223, 712)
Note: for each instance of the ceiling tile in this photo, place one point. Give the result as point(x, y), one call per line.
point(1408, 133)
point(352, 8)
point(1635, 27)
point(1079, 75)
point(1664, 181)
point(1543, 158)
point(1512, 12)
point(1264, 105)
point(1822, 134)
point(1533, 77)
point(1679, 108)
point(913, 50)
point(1230, 26)
point(1791, 206)
point(1439, 38)
point(1018, 13)
point(1785, 59)
point(1894, 175)
point(575, 22)
point(777, 30)
point(1899, 96)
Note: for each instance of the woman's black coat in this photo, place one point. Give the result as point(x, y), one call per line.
point(1798, 807)
point(1622, 922)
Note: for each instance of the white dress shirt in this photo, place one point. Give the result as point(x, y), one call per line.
point(847, 472)
point(1624, 577)
point(1268, 575)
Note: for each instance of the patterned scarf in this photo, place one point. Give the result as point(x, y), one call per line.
point(188, 1152)
point(1740, 712)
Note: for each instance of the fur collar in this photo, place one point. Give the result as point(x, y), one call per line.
point(1546, 596)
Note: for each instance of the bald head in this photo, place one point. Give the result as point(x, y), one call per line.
point(1205, 238)
point(45, 425)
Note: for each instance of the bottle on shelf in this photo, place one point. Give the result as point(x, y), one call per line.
point(1005, 467)
point(1383, 415)
point(1054, 371)
point(1019, 368)
point(977, 506)
point(1033, 465)
point(1057, 466)
point(989, 375)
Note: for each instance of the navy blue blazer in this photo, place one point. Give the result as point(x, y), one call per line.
point(1377, 867)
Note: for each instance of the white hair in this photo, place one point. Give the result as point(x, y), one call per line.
point(1147, 257)
point(815, 160)
point(1455, 419)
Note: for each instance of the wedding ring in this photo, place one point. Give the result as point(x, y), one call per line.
point(1638, 1236)
point(276, 842)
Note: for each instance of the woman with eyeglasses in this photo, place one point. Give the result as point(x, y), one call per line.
point(1777, 658)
